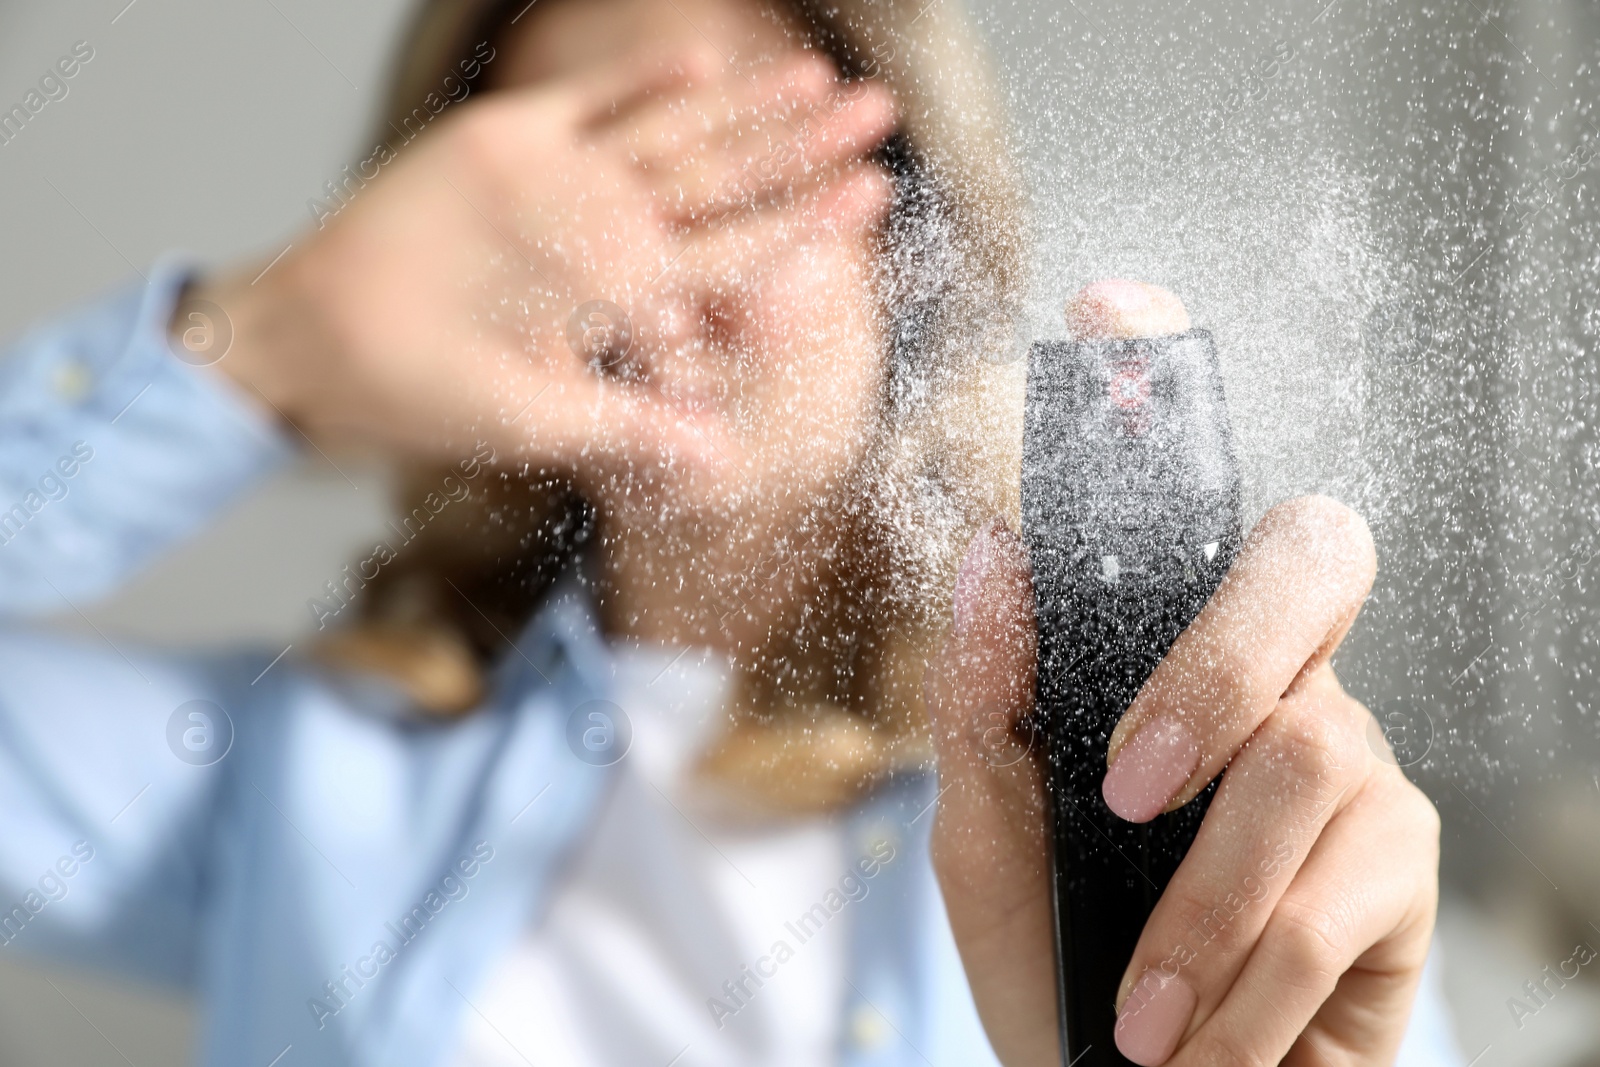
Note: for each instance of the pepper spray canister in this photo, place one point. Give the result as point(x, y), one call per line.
point(1131, 517)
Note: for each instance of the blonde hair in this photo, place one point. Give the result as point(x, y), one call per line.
point(819, 721)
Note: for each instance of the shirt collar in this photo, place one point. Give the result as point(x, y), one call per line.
point(562, 646)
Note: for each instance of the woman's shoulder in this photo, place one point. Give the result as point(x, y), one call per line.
point(183, 704)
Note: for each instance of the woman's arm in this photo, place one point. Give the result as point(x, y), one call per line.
point(112, 448)
point(114, 445)
point(115, 767)
point(1321, 854)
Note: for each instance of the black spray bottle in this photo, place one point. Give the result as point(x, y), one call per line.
point(1130, 512)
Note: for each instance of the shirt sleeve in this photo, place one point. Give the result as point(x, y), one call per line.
point(113, 776)
point(113, 449)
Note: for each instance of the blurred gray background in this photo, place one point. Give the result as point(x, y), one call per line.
point(1383, 206)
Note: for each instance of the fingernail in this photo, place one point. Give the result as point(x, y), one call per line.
point(1150, 770)
point(1154, 1018)
point(975, 568)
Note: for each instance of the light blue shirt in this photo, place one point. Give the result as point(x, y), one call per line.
point(258, 848)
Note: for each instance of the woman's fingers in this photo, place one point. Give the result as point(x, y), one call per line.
point(989, 835)
point(712, 298)
point(735, 144)
point(733, 299)
point(625, 86)
point(770, 163)
point(1282, 788)
point(657, 403)
point(670, 128)
point(720, 260)
point(611, 436)
point(1123, 308)
point(1332, 977)
point(1312, 852)
point(691, 314)
point(1226, 672)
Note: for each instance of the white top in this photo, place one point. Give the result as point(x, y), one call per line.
point(669, 903)
point(664, 903)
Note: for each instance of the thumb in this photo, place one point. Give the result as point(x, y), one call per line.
point(981, 683)
point(989, 844)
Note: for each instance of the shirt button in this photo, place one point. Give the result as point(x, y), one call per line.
point(878, 841)
point(867, 1028)
point(72, 381)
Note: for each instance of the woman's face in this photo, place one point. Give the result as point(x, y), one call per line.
point(780, 356)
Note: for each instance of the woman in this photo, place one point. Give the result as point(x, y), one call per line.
point(674, 311)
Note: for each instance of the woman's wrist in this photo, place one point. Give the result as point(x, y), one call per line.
point(253, 328)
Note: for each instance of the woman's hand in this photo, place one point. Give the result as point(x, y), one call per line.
point(433, 310)
point(1321, 855)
